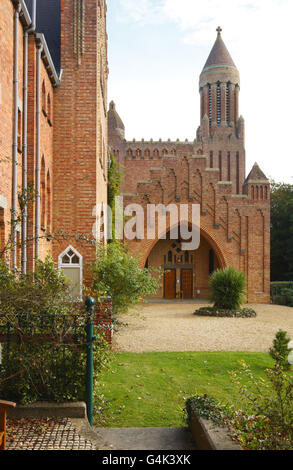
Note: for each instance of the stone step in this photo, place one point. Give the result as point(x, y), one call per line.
point(147, 438)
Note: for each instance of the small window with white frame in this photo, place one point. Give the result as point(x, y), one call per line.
point(70, 263)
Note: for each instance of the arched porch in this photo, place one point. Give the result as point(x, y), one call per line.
point(185, 273)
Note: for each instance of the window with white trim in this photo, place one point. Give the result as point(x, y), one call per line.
point(70, 263)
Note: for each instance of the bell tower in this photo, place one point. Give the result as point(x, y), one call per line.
point(221, 129)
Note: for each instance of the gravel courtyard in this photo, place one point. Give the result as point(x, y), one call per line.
point(171, 326)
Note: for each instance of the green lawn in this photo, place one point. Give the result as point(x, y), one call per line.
point(150, 389)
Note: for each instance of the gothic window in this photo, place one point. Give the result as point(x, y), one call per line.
point(218, 103)
point(237, 174)
point(211, 261)
point(211, 159)
point(48, 202)
point(44, 98)
point(43, 194)
point(70, 262)
point(228, 103)
point(220, 164)
point(165, 152)
point(129, 153)
point(261, 192)
point(49, 109)
point(156, 153)
point(229, 165)
point(147, 153)
point(210, 103)
point(138, 153)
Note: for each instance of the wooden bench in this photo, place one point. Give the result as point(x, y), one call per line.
point(4, 405)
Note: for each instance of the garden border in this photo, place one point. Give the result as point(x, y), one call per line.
point(208, 436)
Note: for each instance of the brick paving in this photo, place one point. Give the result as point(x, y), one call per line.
point(45, 434)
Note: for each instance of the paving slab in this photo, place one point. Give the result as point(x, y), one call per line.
point(148, 438)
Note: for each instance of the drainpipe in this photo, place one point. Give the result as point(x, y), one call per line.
point(38, 156)
point(29, 30)
point(15, 137)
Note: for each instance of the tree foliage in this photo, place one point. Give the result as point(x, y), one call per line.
point(117, 274)
point(281, 232)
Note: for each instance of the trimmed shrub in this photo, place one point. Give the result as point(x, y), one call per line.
point(227, 288)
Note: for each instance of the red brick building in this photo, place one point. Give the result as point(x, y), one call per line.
point(53, 128)
point(210, 171)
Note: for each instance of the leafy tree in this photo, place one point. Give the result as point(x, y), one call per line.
point(227, 288)
point(114, 178)
point(117, 274)
point(281, 232)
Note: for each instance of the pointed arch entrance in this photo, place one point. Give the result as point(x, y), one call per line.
point(185, 273)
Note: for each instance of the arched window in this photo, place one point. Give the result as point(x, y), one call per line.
point(164, 152)
point(147, 153)
point(156, 153)
point(228, 103)
point(211, 261)
point(44, 98)
point(43, 194)
point(261, 193)
point(210, 103)
point(138, 153)
point(219, 110)
point(70, 263)
point(48, 202)
point(129, 153)
point(49, 109)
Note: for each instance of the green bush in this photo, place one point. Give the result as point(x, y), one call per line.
point(280, 350)
point(48, 372)
point(283, 297)
point(117, 274)
point(227, 288)
point(204, 406)
point(269, 423)
point(50, 369)
point(278, 286)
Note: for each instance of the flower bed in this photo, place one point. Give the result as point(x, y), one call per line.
point(216, 312)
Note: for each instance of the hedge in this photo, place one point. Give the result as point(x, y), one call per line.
point(282, 293)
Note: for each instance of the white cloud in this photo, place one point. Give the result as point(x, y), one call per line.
point(258, 36)
point(141, 11)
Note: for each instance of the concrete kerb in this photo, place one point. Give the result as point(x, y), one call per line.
point(49, 410)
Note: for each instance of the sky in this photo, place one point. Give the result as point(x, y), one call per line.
point(157, 50)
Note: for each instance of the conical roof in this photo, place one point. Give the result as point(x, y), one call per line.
point(219, 55)
point(114, 120)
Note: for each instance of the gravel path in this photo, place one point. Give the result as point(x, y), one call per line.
point(173, 327)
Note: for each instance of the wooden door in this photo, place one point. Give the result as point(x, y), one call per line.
point(170, 284)
point(187, 283)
